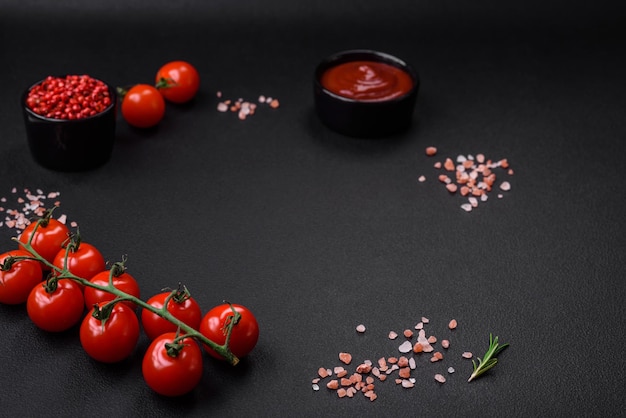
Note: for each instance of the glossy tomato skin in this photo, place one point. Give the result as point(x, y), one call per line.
point(85, 262)
point(143, 106)
point(245, 333)
point(48, 238)
point(113, 340)
point(172, 376)
point(17, 282)
point(182, 79)
point(56, 311)
point(187, 311)
point(124, 282)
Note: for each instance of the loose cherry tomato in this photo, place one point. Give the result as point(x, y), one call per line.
point(18, 277)
point(83, 260)
point(121, 280)
point(182, 306)
point(172, 369)
point(48, 237)
point(110, 337)
point(245, 333)
point(56, 305)
point(178, 81)
point(143, 106)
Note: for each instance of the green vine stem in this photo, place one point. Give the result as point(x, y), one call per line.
point(187, 331)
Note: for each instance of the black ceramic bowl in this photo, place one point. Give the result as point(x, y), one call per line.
point(364, 118)
point(71, 145)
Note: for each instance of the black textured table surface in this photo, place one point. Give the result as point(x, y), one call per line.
point(317, 232)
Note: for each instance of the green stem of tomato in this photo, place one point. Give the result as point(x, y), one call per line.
point(189, 332)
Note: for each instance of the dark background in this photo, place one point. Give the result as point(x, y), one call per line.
point(317, 232)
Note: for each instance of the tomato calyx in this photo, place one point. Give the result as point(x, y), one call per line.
point(45, 219)
point(122, 91)
point(104, 311)
point(179, 295)
point(229, 323)
point(118, 268)
point(177, 345)
point(51, 284)
point(73, 241)
point(10, 261)
point(165, 83)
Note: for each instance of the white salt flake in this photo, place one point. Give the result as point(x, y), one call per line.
point(405, 347)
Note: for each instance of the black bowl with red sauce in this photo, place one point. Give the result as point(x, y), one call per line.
point(365, 93)
point(70, 140)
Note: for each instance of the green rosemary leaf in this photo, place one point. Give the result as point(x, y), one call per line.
point(489, 360)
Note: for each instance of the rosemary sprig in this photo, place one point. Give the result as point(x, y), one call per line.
point(489, 359)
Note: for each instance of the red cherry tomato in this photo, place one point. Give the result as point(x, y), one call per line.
point(18, 277)
point(112, 339)
point(121, 280)
point(245, 333)
point(143, 106)
point(56, 309)
point(181, 306)
point(178, 81)
point(83, 260)
point(172, 375)
point(48, 237)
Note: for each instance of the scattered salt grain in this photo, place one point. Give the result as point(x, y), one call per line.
point(345, 357)
point(244, 108)
point(440, 378)
point(430, 151)
point(451, 370)
point(28, 206)
point(467, 355)
point(360, 328)
point(405, 347)
point(473, 177)
point(452, 324)
point(393, 335)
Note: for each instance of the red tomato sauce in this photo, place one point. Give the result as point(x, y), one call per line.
point(367, 81)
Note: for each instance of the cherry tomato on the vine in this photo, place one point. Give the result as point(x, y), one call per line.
point(178, 81)
point(83, 260)
point(181, 306)
point(56, 305)
point(49, 234)
point(111, 339)
point(143, 106)
point(121, 280)
point(172, 371)
point(18, 277)
point(245, 333)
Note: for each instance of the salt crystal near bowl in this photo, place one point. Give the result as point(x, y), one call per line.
point(365, 93)
point(80, 134)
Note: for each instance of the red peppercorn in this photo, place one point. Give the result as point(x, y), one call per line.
point(71, 97)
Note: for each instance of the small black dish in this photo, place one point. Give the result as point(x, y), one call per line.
point(71, 145)
point(364, 118)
